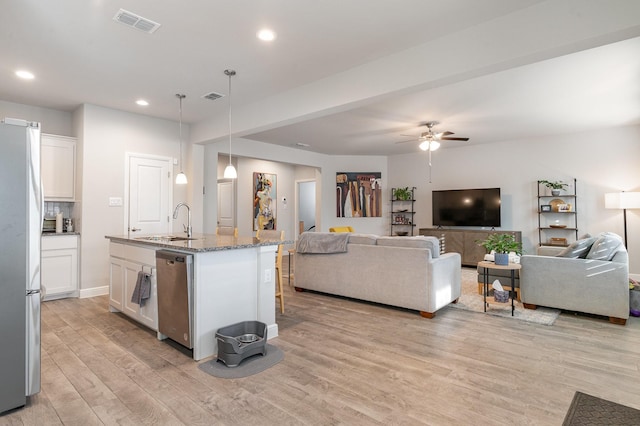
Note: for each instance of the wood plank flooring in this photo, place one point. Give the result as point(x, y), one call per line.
point(346, 362)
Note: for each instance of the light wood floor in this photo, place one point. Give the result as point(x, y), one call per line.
point(345, 362)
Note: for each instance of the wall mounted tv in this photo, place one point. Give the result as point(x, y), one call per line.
point(466, 207)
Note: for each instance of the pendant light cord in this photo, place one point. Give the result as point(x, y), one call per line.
point(230, 73)
point(180, 127)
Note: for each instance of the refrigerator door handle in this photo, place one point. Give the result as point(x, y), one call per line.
point(30, 292)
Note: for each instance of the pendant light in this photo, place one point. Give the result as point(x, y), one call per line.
point(230, 172)
point(181, 178)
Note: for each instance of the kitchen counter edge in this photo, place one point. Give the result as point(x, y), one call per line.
point(201, 242)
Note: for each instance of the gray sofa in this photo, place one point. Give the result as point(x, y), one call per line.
point(591, 276)
point(407, 272)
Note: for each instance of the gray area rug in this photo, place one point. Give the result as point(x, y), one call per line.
point(248, 367)
point(472, 301)
point(590, 410)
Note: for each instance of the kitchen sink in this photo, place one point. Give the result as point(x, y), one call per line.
point(165, 238)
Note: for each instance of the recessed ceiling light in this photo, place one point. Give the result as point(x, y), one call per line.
point(142, 102)
point(26, 75)
point(266, 35)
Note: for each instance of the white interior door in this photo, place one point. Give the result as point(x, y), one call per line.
point(149, 195)
point(226, 204)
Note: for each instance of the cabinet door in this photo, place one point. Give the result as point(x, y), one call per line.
point(130, 278)
point(59, 272)
point(116, 287)
point(148, 314)
point(58, 167)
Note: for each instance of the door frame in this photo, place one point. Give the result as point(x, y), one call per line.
point(297, 202)
point(235, 202)
point(127, 163)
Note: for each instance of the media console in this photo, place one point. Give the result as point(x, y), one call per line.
point(464, 241)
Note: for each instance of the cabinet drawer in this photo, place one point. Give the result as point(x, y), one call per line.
point(59, 242)
point(144, 256)
point(116, 250)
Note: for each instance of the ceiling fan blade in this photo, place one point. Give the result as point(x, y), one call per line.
point(409, 140)
point(454, 139)
point(446, 133)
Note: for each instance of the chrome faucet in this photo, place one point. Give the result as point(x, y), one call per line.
point(175, 216)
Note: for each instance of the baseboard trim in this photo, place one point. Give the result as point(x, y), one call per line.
point(93, 292)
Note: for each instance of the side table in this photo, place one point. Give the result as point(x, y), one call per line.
point(513, 267)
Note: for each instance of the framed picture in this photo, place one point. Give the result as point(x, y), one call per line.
point(545, 208)
point(264, 201)
point(359, 194)
point(564, 208)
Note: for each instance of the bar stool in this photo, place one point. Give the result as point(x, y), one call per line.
point(275, 235)
point(226, 230)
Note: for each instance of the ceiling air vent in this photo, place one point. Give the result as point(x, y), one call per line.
point(136, 21)
point(212, 96)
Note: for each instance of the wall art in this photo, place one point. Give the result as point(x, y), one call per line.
point(264, 201)
point(359, 194)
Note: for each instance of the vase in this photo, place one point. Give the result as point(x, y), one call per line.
point(555, 192)
point(501, 258)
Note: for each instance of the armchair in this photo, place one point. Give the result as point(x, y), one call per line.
point(588, 285)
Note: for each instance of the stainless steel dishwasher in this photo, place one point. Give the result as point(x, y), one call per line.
point(175, 295)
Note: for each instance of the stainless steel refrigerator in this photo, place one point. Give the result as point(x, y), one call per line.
point(21, 206)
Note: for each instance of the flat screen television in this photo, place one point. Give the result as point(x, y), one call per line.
point(466, 207)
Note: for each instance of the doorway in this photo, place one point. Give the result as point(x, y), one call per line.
point(306, 205)
point(226, 203)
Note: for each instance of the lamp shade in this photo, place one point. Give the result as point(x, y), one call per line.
point(622, 200)
point(181, 179)
point(230, 172)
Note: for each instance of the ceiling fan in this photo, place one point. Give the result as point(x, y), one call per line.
point(429, 141)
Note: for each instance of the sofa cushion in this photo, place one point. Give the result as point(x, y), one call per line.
point(366, 239)
point(606, 246)
point(578, 249)
point(419, 241)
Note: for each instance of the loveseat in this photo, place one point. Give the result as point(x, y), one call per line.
point(407, 272)
point(590, 276)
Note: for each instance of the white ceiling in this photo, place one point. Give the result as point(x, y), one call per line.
point(80, 55)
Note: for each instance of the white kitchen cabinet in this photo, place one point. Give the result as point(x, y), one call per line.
point(125, 262)
point(59, 266)
point(58, 167)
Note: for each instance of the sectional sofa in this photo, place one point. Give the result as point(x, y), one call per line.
point(407, 272)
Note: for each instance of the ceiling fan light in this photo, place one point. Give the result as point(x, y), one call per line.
point(434, 145)
point(424, 145)
point(230, 172)
point(181, 179)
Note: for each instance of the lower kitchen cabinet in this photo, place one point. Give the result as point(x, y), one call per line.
point(59, 266)
point(125, 262)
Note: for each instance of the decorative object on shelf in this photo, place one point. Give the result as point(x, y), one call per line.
point(402, 194)
point(558, 226)
point(622, 200)
point(558, 241)
point(264, 207)
point(230, 171)
point(359, 194)
point(555, 186)
point(402, 233)
point(502, 245)
point(555, 204)
point(181, 178)
point(545, 208)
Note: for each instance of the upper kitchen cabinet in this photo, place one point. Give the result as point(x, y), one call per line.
point(58, 167)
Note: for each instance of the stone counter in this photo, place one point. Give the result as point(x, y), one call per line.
point(199, 243)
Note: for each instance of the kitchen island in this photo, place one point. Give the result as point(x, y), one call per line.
point(233, 281)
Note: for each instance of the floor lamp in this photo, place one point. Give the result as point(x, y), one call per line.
point(622, 200)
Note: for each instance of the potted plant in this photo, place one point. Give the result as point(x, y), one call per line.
point(501, 245)
point(402, 194)
point(554, 186)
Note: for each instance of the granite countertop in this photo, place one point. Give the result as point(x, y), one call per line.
point(198, 243)
point(58, 234)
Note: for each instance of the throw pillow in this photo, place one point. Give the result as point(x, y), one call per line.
point(605, 247)
point(578, 249)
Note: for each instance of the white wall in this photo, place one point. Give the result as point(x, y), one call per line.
point(328, 166)
point(602, 161)
point(52, 121)
point(107, 135)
